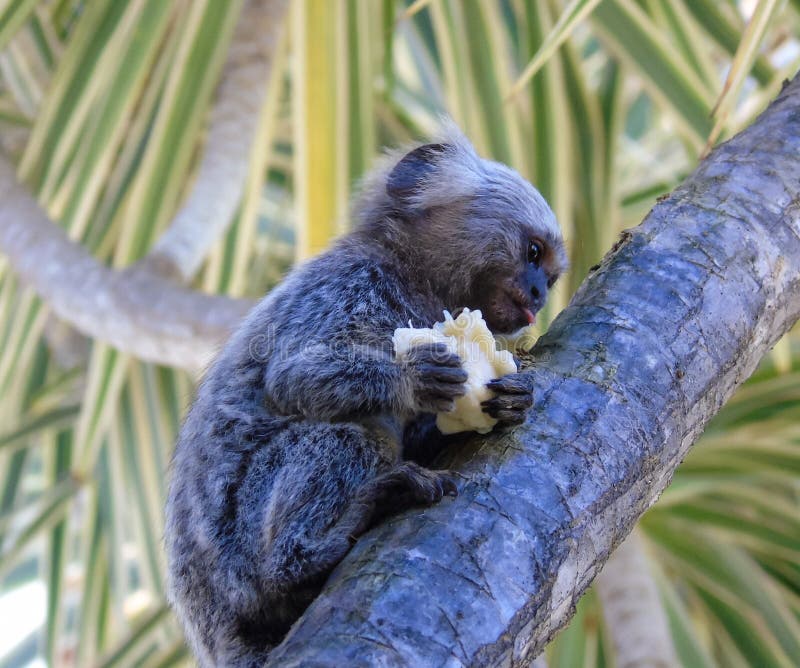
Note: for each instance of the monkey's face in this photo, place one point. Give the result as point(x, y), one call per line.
point(477, 233)
point(518, 249)
point(514, 286)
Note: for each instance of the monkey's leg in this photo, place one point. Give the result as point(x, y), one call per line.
point(317, 510)
point(298, 514)
point(307, 513)
point(304, 545)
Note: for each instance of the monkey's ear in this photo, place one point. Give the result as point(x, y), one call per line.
point(410, 173)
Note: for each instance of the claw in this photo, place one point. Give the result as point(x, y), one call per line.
point(511, 384)
point(449, 485)
point(509, 402)
point(510, 417)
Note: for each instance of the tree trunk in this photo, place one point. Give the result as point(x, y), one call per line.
point(656, 340)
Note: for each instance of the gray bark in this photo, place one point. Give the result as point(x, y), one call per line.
point(678, 315)
point(133, 310)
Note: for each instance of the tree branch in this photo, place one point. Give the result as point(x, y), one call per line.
point(203, 218)
point(133, 310)
point(633, 611)
point(221, 176)
point(654, 342)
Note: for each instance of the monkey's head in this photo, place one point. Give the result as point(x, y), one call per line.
point(477, 232)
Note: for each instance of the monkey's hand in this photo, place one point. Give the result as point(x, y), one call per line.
point(513, 399)
point(436, 377)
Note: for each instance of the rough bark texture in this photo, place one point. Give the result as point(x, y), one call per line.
point(222, 173)
point(132, 310)
point(633, 611)
point(676, 317)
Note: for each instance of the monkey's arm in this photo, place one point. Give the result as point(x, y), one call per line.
point(329, 381)
point(332, 381)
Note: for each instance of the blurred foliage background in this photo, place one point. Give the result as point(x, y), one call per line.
point(603, 105)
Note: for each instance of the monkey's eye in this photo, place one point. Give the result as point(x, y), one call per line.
point(535, 252)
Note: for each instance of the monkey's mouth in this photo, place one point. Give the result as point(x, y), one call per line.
point(530, 315)
point(523, 305)
point(508, 311)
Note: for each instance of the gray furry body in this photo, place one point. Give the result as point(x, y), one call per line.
point(300, 435)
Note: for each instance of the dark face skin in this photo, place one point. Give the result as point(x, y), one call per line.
point(482, 234)
point(510, 295)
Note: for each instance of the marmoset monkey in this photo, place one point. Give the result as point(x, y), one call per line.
point(302, 430)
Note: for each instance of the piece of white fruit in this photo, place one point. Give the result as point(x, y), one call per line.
point(469, 337)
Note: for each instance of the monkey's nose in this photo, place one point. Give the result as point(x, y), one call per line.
point(535, 292)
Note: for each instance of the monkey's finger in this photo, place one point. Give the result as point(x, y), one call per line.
point(512, 402)
point(430, 348)
point(438, 402)
point(444, 374)
point(426, 486)
point(446, 390)
point(449, 360)
point(512, 384)
point(495, 409)
point(438, 353)
point(507, 417)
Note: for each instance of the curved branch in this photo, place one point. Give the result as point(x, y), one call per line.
point(632, 609)
point(655, 341)
point(219, 185)
point(132, 310)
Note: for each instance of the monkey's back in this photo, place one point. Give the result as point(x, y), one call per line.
point(239, 459)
